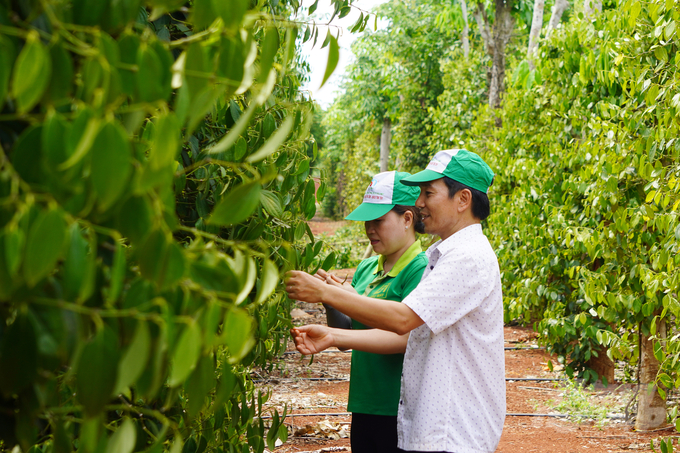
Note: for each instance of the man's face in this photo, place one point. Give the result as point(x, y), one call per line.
point(440, 213)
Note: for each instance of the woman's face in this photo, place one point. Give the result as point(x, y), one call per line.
point(390, 233)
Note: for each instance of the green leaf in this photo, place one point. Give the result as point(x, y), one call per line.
point(237, 205)
point(84, 143)
point(268, 281)
point(123, 440)
point(18, 356)
point(14, 247)
point(271, 203)
point(6, 62)
point(135, 358)
point(332, 62)
point(85, 13)
point(44, 245)
point(79, 267)
point(166, 142)
point(289, 55)
point(243, 267)
point(199, 384)
point(97, 371)
point(329, 262)
point(135, 219)
point(237, 333)
point(129, 46)
point(270, 46)
point(31, 73)
point(111, 164)
point(118, 268)
point(231, 60)
point(185, 355)
point(151, 72)
point(274, 142)
point(231, 11)
point(197, 68)
point(203, 13)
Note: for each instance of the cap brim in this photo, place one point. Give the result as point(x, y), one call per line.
point(420, 177)
point(368, 211)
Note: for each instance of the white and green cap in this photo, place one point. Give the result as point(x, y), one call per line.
point(383, 194)
point(460, 165)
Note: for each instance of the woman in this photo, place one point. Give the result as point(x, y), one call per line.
point(391, 222)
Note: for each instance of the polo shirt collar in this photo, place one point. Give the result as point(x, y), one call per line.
point(403, 260)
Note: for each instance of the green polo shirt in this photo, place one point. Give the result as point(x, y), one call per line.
point(375, 379)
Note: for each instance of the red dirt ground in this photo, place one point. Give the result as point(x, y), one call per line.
point(321, 388)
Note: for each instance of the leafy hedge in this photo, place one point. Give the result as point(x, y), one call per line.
point(585, 218)
point(154, 182)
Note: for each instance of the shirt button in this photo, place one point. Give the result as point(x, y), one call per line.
point(431, 267)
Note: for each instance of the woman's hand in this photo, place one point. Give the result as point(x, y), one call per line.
point(312, 339)
point(302, 286)
point(334, 280)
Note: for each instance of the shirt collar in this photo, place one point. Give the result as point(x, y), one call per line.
point(456, 238)
point(403, 260)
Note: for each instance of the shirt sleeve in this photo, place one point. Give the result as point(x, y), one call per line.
point(456, 286)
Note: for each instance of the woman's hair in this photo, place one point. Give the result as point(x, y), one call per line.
point(417, 217)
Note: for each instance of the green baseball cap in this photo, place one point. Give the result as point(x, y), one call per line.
point(460, 165)
point(382, 194)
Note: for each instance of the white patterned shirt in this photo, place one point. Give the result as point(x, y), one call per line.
point(453, 382)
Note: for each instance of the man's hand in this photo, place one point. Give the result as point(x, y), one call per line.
point(302, 286)
point(312, 339)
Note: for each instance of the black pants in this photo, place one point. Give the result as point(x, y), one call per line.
point(373, 433)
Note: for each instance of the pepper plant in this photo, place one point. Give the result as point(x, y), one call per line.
point(154, 185)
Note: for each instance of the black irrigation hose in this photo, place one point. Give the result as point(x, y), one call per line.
point(508, 348)
point(347, 379)
point(346, 414)
point(534, 379)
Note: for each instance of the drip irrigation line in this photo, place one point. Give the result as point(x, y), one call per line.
point(507, 348)
point(300, 379)
point(508, 414)
point(322, 352)
point(347, 379)
point(535, 379)
point(522, 348)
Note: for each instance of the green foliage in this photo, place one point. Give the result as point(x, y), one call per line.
point(155, 181)
point(396, 75)
point(584, 217)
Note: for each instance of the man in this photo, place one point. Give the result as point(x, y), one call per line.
point(450, 326)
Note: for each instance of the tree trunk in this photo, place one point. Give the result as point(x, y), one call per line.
point(556, 16)
point(385, 139)
point(495, 41)
point(466, 29)
point(502, 31)
point(651, 412)
point(591, 8)
point(535, 33)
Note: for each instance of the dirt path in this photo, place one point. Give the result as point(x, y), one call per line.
point(316, 396)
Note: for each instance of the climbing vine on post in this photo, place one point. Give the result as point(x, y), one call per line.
point(154, 184)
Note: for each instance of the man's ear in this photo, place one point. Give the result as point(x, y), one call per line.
point(465, 197)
